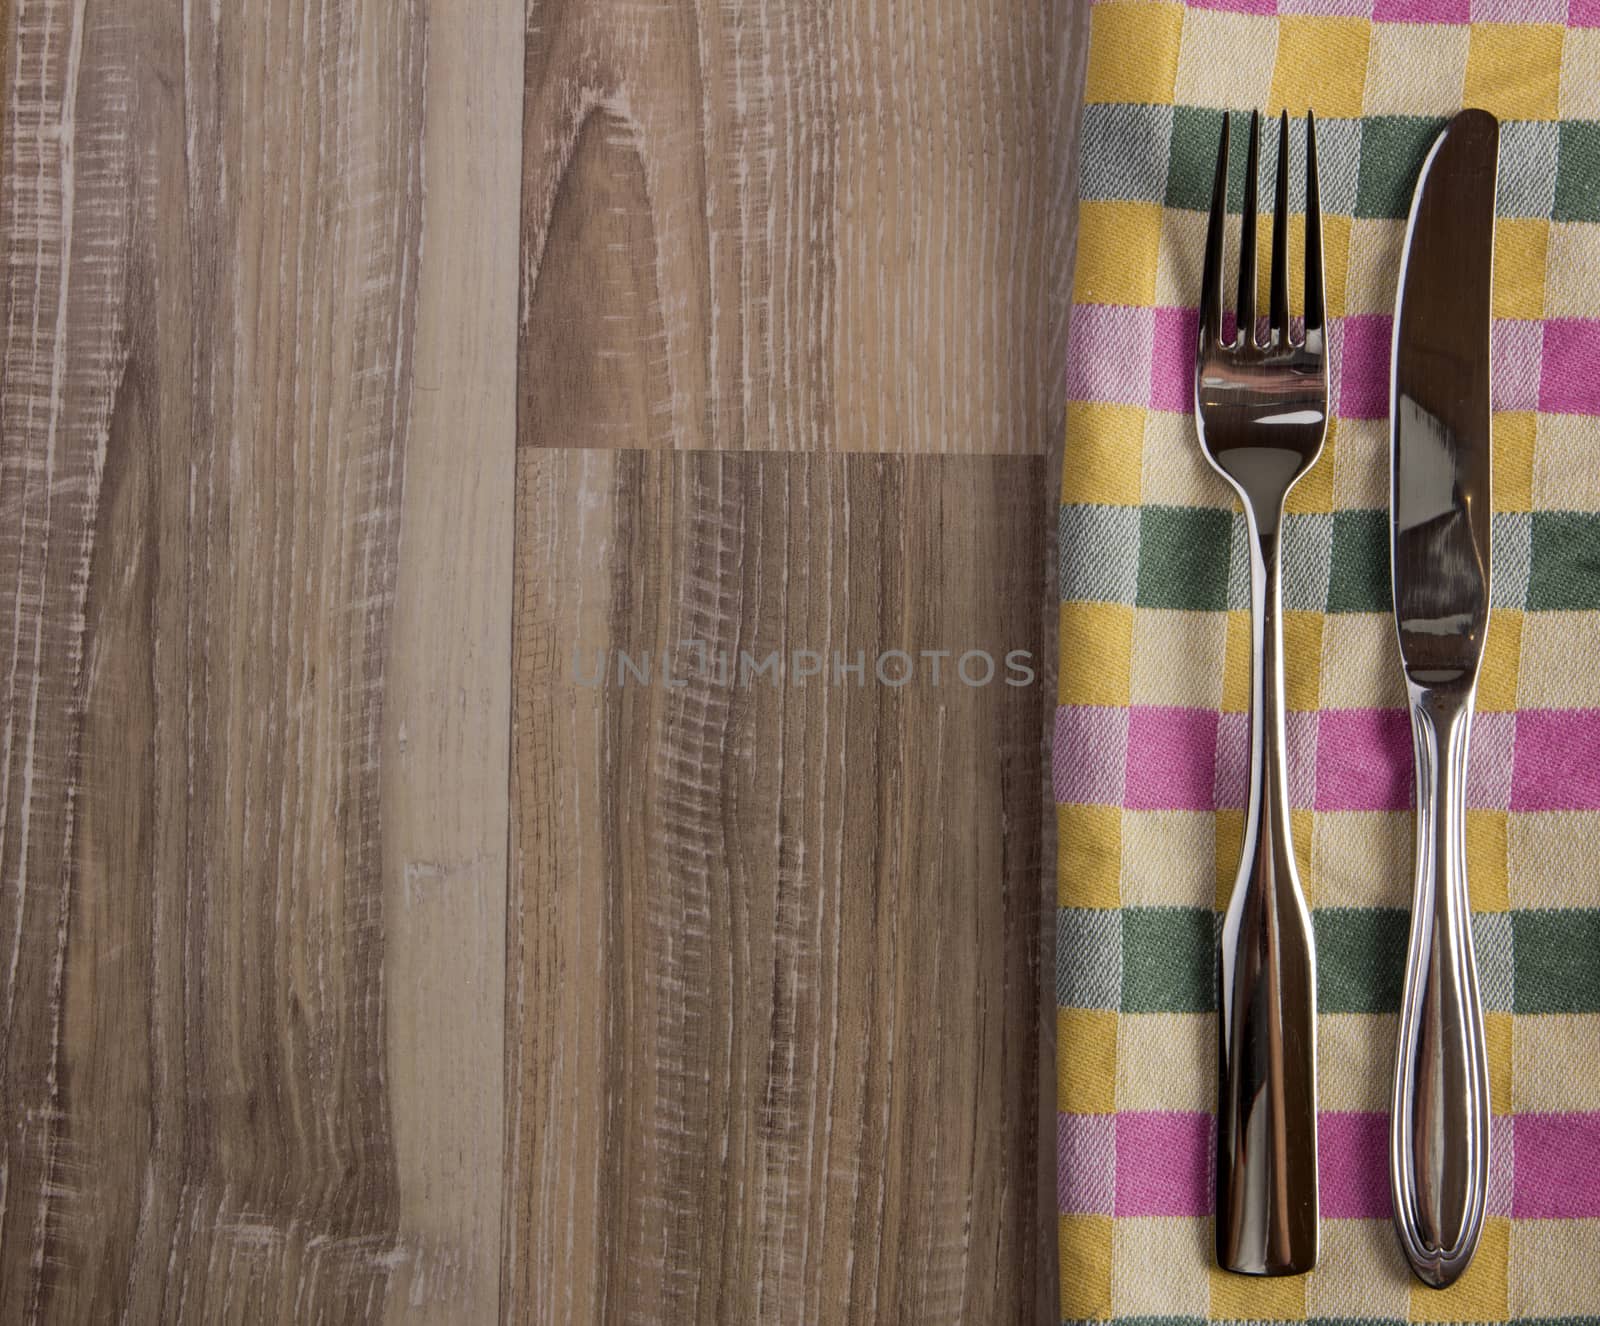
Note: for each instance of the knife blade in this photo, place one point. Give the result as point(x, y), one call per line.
point(1440, 408)
point(1439, 421)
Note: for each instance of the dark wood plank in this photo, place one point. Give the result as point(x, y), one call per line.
point(774, 998)
point(810, 229)
point(771, 226)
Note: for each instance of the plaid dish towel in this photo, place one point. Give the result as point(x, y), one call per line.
point(1150, 734)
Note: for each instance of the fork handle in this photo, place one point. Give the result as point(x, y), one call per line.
point(1267, 1102)
point(1439, 1122)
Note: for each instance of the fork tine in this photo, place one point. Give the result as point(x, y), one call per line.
point(1211, 275)
point(1247, 237)
point(1278, 297)
point(1315, 312)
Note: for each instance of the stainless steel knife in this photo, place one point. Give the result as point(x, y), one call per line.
point(1439, 500)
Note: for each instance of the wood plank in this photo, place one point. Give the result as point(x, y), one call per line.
point(753, 227)
point(213, 222)
point(776, 993)
point(447, 708)
point(766, 226)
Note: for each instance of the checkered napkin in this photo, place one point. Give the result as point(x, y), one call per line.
point(1150, 735)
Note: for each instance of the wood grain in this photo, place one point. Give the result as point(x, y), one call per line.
point(775, 984)
point(447, 701)
point(336, 397)
point(775, 974)
point(768, 226)
point(213, 224)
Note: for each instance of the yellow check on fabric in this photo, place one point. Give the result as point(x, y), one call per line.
point(1150, 733)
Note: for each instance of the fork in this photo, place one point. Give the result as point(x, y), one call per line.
point(1261, 412)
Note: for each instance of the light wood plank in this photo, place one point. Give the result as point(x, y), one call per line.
point(775, 948)
point(447, 711)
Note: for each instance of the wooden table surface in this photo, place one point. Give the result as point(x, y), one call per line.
point(384, 385)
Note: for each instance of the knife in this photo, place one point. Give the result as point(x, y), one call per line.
point(1440, 506)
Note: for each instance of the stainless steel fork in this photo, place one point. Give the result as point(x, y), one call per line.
point(1261, 409)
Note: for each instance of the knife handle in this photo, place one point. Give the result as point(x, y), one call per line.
point(1439, 1121)
point(1267, 1099)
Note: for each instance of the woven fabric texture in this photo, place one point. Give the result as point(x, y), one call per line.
point(1150, 733)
